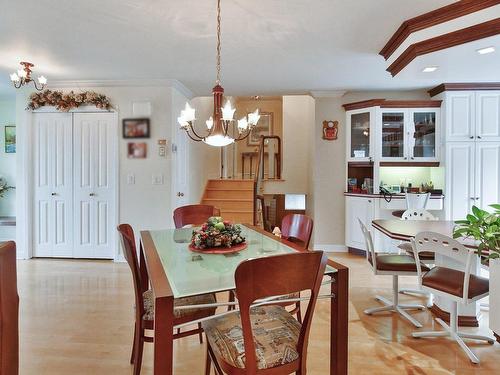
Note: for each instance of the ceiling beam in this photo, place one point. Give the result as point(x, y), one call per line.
point(435, 17)
point(455, 38)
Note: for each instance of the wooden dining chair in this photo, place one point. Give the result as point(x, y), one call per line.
point(266, 339)
point(297, 228)
point(458, 287)
point(9, 311)
point(144, 303)
point(194, 214)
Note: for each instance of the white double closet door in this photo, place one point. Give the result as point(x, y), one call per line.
point(75, 185)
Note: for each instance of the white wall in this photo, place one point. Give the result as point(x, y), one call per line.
point(7, 161)
point(329, 166)
point(143, 205)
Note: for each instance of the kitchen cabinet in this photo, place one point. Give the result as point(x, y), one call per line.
point(362, 208)
point(360, 144)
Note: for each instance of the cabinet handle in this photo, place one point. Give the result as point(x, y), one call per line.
point(369, 201)
point(53, 194)
point(471, 137)
point(472, 198)
point(406, 158)
point(412, 158)
point(92, 195)
point(477, 198)
point(479, 137)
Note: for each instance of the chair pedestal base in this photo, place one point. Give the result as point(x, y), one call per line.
point(452, 332)
point(419, 292)
point(395, 306)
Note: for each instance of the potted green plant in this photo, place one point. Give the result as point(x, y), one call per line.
point(484, 227)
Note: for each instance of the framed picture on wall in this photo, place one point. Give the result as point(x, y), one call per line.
point(263, 127)
point(136, 128)
point(10, 139)
point(137, 150)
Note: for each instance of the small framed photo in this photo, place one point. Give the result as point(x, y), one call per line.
point(136, 128)
point(137, 150)
point(263, 127)
point(10, 139)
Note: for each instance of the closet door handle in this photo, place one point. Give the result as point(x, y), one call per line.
point(92, 195)
point(53, 194)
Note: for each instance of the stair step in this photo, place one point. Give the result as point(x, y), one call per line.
point(228, 193)
point(230, 204)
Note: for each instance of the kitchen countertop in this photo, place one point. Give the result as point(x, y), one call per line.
point(394, 196)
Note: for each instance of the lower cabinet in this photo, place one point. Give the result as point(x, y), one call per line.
point(362, 208)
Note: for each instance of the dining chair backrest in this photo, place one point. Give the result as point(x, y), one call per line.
point(9, 310)
point(194, 214)
point(370, 250)
point(417, 214)
point(444, 246)
point(416, 201)
point(297, 227)
point(278, 275)
point(130, 252)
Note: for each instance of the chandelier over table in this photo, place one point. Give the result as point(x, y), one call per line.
point(220, 130)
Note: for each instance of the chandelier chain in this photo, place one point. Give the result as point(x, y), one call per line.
point(218, 44)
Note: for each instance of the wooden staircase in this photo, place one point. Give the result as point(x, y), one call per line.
point(234, 198)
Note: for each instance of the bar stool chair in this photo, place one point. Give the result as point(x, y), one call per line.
point(394, 265)
point(425, 257)
point(458, 286)
point(417, 201)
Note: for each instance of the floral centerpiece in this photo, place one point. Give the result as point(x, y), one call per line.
point(217, 232)
point(4, 187)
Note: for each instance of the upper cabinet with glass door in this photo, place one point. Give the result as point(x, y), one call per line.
point(408, 135)
point(360, 134)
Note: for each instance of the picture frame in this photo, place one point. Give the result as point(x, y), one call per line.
point(137, 150)
point(263, 127)
point(136, 128)
point(10, 139)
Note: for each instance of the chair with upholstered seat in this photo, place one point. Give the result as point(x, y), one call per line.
point(144, 303)
point(395, 265)
point(9, 310)
point(455, 285)
point(194, 214)
point(266, 339)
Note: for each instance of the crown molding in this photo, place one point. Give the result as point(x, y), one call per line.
point(433, 18)
point(123, 83)
point(480, 86)
point(328, 93)
point(455, 38)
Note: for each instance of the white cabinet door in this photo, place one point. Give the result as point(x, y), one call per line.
point(95, 168)
point(488, 116)
point(53, 206)
point(360, 134)
point(423, 134)
point(362, 208)
point(459, 195)
point(392, 134)
point(460, 116)
point(487, 171)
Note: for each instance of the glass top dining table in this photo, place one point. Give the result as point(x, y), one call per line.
point(173, 271)
point(191, 273)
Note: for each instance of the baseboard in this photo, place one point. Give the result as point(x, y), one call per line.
point(330, 248)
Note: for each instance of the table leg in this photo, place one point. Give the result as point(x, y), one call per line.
point(163, 336)
point(339, 323)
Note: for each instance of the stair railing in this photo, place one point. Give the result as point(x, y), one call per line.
point(258, 188)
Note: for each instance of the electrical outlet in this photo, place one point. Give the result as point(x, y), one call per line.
point(131, 179)
point(157, 179)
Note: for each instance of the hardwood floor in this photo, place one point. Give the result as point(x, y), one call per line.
point(77, 318)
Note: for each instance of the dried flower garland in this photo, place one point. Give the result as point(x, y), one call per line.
point(65, 102)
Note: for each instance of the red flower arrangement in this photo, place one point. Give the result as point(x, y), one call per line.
point(217, 232)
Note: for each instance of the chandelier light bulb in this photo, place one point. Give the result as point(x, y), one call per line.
point(14, 77)
point(42, 80)
point(253, 118)
point(210, 123)
point(228, 111)
point(182, 122)
point(21, 73)
point(189, 113)
point(242, 124)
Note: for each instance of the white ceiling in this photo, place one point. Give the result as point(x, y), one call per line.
point(269, 46)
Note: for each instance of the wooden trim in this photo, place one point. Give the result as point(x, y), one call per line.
point(497, 337)
point(409, 164)
point(363, 104)
point(156, 272)
point(435, 17)
point(360, 164)
point(455, 38)
point(339, 319)
point(354, 251)
point(411, 104)
point(463, 320)
point(464, 87)
point(383, 103)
